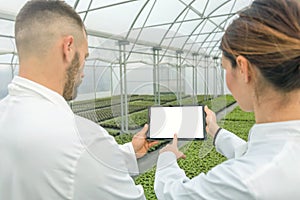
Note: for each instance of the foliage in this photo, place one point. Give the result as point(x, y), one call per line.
point(135, 120)
point(239, 115)
point(113, 132)
point(92, 104)
point(147, 181)
point(219, 103)
point(138, 119)
point(124, 138)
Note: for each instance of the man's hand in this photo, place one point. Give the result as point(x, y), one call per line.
point(140, 144)
point(173, 148)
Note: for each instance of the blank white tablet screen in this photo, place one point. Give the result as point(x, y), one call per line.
point(186, 121)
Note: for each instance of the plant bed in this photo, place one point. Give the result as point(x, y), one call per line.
point(138, 119)
point(91, 104)
point(239, 115)
point(219, 103)
point(113, 132)
point(135, 120)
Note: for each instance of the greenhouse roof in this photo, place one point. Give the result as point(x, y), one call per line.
point(187, 26)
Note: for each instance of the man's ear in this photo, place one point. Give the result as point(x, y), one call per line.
point(244, 68)
point(68, 48)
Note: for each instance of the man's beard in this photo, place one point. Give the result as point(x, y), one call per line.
point(72, 79)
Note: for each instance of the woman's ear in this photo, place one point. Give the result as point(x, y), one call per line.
point(68, 48)
point(244, 68)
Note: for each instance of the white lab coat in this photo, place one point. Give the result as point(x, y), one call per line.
point(47, 152)
point(267, 167)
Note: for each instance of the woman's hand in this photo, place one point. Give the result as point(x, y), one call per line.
point(211, 122)
point(173, 148)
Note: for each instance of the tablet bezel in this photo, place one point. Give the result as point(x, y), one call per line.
point(181, 138)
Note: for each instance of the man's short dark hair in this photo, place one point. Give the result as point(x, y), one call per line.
point(36, 20)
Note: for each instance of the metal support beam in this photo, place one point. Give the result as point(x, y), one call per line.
point(94, 80)
point(179, 76)
point(195, 82)
point(123, 85)
point(222, 81)
point(156, 75)
point(206, 76)
point(12, 67)
point(215, 76)
point(111, 80)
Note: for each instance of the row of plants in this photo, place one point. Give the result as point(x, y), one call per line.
point(163, 98)
point(201, 155)
point(86, 105)
point(239, 115)
point(220, 102)
point(190, 100)
point(135, 121)
point(138, 119)
point(101, 114)
point(107, 108)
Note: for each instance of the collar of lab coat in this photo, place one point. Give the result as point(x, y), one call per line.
point(280, 130)
point(24, 87)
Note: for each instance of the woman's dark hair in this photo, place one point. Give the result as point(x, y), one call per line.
point(268, 35)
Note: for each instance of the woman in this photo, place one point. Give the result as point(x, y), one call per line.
point(261, 56)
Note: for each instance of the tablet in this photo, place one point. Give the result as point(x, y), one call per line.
point(188, 122)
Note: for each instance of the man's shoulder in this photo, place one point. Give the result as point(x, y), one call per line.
point(98, 143)
point(90, 132)
point(88, 124)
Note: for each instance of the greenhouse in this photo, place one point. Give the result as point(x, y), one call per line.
point(142, 53)
point(145, 53)
point(140, 47)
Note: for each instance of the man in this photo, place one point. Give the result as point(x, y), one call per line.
point(46, 151)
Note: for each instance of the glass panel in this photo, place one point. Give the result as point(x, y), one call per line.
point(153, 35)
point(11, 7)
point(70, 2)
point(187, 27)
point(5, 77)
point(200, 5)
point(115, 20)
point(82, 5)
point(161, 7)
point(144, 14)
point(107, 3)
point(6, 28)
point(6, 59)
point(214, 7)
point(239, 5)
point(7, 45)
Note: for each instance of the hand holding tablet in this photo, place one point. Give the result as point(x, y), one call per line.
point(188, 122)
